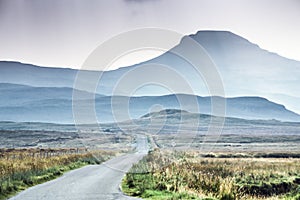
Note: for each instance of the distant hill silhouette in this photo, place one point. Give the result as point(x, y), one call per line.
point(44, 104)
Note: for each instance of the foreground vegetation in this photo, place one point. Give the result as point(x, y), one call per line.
point(22, 168)
point(178, 175)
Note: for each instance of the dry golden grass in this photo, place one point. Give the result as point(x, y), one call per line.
point(20, 168)
point(217, 178)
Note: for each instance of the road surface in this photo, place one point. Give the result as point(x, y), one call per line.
point(93, 182)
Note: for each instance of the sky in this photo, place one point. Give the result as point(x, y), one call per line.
point(62, 33)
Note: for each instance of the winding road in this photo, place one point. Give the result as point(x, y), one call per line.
point(93, 182)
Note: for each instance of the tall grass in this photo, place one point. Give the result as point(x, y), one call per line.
point(20, 169)
point(216, 178)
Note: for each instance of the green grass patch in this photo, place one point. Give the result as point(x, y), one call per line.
point(154, 194)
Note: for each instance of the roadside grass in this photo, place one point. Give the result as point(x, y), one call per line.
point(22, 169)
point(181, 175)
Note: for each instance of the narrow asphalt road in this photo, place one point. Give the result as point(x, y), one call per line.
point(93, 182)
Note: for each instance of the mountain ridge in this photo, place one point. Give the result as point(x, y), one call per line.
point(246, 41)
point(54, 105)
point(245, 69)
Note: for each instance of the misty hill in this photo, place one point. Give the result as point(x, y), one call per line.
point(177, 116)
point(170, 113)
point(184, 122)
point(44, 104)
point(27, 74)
point(172, 121)
point(245, 68)
point(20, 95)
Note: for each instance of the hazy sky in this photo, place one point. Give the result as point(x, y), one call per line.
point(64, 32)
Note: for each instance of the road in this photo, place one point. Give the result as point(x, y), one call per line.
point(91, 182)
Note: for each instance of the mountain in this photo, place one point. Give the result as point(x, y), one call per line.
point(44, 104)
point(244, 68)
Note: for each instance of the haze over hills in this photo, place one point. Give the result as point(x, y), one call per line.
point(245, 69)
point(19, 95)
point(171, 118)
point(174, 121)
point(177, 116)
point(44, 104)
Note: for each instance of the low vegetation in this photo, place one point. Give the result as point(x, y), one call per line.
point(22, 168)
point(178, 175)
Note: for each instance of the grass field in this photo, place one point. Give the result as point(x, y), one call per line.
point(22, 168)
point(178, 175)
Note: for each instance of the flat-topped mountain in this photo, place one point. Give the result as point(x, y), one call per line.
point(245, 68)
